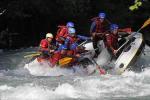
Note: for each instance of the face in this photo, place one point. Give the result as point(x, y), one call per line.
point(49, 39)
point(101, 20)
point(73, 34)
point(63, 52)
point(115, 31)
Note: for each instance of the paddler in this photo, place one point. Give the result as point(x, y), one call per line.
point(98, 27)
point(46, 47)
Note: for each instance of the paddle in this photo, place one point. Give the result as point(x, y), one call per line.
point(68, 59)
point(82, 43)
point(98, 67)
point(64, 61)
point(32, 55)
point(147, 22)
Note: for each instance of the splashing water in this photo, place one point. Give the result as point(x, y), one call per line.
point(23, 82)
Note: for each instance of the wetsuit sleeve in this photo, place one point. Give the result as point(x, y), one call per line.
point(44, 50)
point(66, 42)
point(83, 37)
point(108, 38)
point(92, 27)
point(124, 31)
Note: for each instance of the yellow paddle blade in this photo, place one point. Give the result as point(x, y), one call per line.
point(31, 55)
point(64, 61)
point(146, 23)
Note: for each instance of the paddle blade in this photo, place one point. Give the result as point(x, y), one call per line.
point(31, 55)
point(101, 71)
point(146, 23)
point(64, 61)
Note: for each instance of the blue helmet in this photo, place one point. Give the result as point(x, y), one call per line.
point(69, 24)
point(62, 47)
point(101, 15)
point(113, 26)
point(73, 46)
point(71, 30)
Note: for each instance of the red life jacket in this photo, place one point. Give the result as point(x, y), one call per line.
point(56, 57)
point(45, 46)
point(62, 32)
point(72, 39)
point(99, 26)
point(111, 41)
point(74, 59)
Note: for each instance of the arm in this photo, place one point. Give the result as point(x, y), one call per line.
point(92, 27)
point(83, 37)
point(66, 42)
point(124, 31)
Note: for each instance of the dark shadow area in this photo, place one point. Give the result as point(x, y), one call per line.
point(25, 22)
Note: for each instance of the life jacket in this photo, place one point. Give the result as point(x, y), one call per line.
point(74, 59)
point(55, 60)
point(45, 47)
point(100, 27)
point(72, 39)
point(61, 33)
point(110, 40)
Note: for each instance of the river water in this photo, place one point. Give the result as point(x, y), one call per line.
point(20, 82)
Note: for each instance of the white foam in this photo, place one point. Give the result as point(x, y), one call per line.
point(35, 92)
point(5, 87)
point(67, 90)
point(45, 70)
point(26, 92)
point(129, 84)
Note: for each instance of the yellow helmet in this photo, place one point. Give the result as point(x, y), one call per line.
point(49, 35)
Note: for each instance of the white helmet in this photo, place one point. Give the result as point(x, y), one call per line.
point(49, 35)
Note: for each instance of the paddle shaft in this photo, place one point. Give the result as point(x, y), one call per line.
point(32, 55)
point(98, 66)
point(129, 38)
point(82, 43)
point(123, 45)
